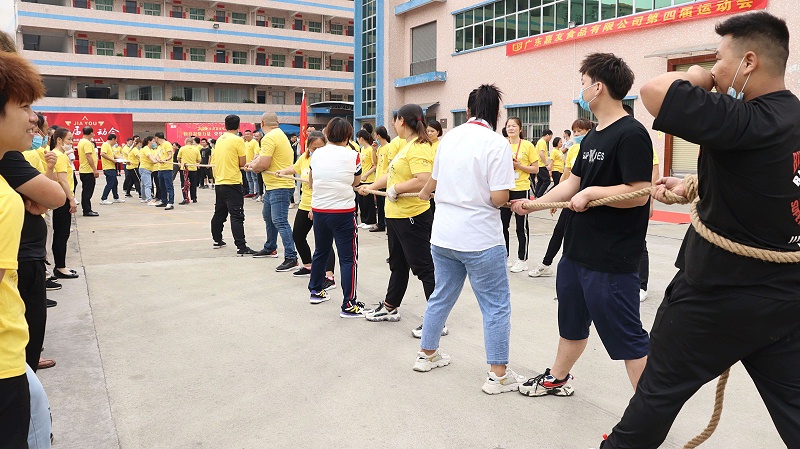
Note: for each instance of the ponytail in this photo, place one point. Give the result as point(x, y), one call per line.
point(60, 133)
point(414, 119)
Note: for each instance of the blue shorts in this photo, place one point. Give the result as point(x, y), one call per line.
point(611, 300)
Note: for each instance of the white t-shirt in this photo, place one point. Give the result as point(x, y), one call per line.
point(471, 161)
point(332, 171)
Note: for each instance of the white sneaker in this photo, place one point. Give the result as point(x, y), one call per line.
point(519, 266)
point(258, 199)
point(119, 200)
point(169, 207)
point(427, 362)
point(157, 203)
point(381, 313)
point(142, 201)
point(105, 202)
point(509, 263)
point(642, 295)
point(495, 384)
point(417, 333)
point(541, 270)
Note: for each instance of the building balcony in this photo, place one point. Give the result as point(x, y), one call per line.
point(33, 16)
point(119, 67)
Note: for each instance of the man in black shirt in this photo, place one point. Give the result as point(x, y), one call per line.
point(722, 308)
point(598, 276)
point(205, 156)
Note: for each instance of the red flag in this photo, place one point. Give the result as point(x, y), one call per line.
point(303, 124)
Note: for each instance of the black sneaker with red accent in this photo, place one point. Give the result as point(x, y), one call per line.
point(545, 384)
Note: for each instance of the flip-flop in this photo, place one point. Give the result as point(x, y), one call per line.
point(46, 363)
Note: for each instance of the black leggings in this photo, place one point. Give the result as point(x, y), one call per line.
point(409, 248)
point(522, 225)
point(556, 175)
point(62, 220)
point(302, 226)
point(557, 237)
point(381, 200)
point(31, 283)
point(366, 204)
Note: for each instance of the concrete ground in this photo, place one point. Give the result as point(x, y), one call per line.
point(164, 342)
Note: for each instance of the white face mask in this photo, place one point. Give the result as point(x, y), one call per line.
point(731, 91)
point(67, 146)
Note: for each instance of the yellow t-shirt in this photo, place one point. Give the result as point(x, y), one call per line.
point(366, 162)
point(541, 147)
point(413, 158)
point(655, 157)
point(63, 166)
point(13, 327)
point(250, 150)
point(108, 151)
point(558, 160)
point(572, 154)
point(85, 146)
point(144, 158)
point(132, 156)
point(276, 145)
point(302, 167)
point(45, 149)
point(189, 154)
point(435, 146)
point(225, 158)
point(386, 154)
point(32, 156)
point(526, 154)
point(165, 154)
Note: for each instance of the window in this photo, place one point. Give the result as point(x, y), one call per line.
point(130, 7)
point(459, 118)
point(177, 12)
point(423, 49)
point(177, 54)
point(336, 97)
point(219, 16)
point(239, 57)
point(239, 18)
point(197, 54)
point(278, 61)
point(337, 65)
point(261, 21)
point(191, 93)
point(535, 119)
point(261, 59)
point(369, 79)
point(261, 96)
point(278, 97)
point(230, 95)
point(82, 46)
point(152, 9)
point(220, 56)
point(105, 48)
point(197, 13)
point(134, 92)
point(314, 97)
point(104, 5)
point(584, 114)
point(298, 98)
point(337, 29)
point(152, 51)
point(80, 4)
point(278, 22)
point(508, 20)
point(315, 27)
point(314, 63)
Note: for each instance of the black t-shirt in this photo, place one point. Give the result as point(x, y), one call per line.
point(749, 185)
point(17, 171)
point(605, 238)
point(205, 155)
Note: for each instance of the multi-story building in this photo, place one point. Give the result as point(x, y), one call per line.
point(434, 52)
point(189, 60)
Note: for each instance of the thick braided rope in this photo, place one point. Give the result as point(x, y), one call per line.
point(715, 416)
point(399, 195)
point(594, 203)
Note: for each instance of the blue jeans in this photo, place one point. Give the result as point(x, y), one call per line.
point(252, 181)
point(167, 188)
point(111, 184)
point(276, 218)
point(40, 426)
point(147, 183)
point(488, 277)
point(339, 227)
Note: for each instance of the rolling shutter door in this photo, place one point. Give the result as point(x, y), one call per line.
point(684, 153)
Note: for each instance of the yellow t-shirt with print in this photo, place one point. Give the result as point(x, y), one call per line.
point(63, 166)
point(558, 160)
point(225, 158)
point(86, 146)
point(526, 154)
point(366, 162)
point(655, 157)
point(133, 158)
point(108, 150)
point(165, 154)
point(413, 158)
point(13, 327)
point(386, 154)
point(32, 156)
point(189, 154)
point(541, 147)
point(250, 150)
point(276, 145)
point(302, 167)
point(144, 158)
point(572, 154)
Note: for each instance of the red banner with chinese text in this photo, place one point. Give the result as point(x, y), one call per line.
point(178, 132)
point(103, 124)
point(684, 13)
point(303, 124)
